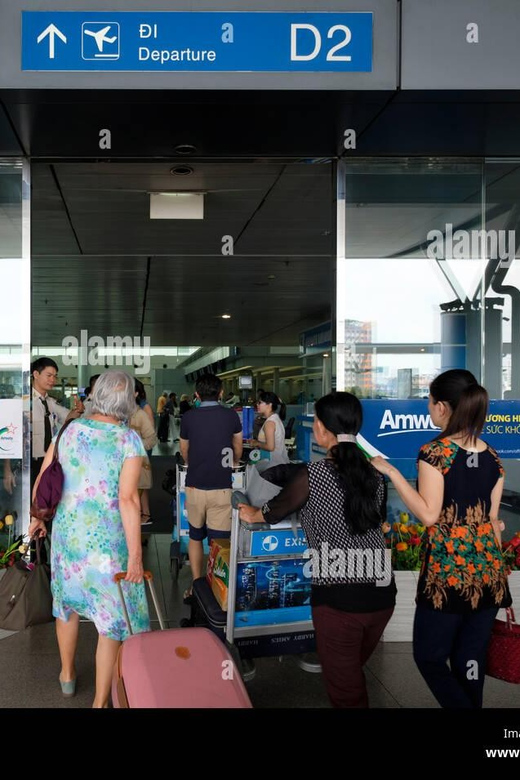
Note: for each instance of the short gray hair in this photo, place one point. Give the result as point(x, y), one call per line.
point(114, 395)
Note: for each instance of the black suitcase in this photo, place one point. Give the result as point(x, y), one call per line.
point(164, 427)
point(205, 609)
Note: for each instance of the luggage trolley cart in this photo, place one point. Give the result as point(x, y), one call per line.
point(269, 612)
point(181, 529)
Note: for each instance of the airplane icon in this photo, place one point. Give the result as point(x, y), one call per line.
point(97, 43)
point(101, 36)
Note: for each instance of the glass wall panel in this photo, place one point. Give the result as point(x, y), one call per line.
point(14, 350)
point(401, 293)
point(428, 280)
point(501, 289)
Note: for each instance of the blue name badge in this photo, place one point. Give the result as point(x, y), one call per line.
point(281, 542)
point(197, 41)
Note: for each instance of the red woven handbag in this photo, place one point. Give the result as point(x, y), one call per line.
point(503, 660)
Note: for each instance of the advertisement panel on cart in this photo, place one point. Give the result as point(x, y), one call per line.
point(273, 592)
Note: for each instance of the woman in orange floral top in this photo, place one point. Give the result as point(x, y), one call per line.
point(463, 580)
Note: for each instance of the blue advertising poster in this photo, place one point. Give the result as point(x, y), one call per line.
point(272, 592)
point(397, 429)
point(131, 41)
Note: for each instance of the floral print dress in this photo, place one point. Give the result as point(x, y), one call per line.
point(88, 539)
point(463, 568)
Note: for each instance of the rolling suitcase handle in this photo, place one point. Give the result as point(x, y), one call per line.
point(148, 578)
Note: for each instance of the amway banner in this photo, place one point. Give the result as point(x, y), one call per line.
point(397, 429)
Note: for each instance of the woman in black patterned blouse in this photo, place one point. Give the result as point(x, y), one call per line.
point(463, 579)
point(341, 502)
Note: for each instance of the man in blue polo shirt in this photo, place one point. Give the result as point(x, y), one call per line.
point(211, 441)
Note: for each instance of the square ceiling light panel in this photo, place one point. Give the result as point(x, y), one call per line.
point(176, 205)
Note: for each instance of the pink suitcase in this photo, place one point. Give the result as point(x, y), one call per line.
point(177, 667)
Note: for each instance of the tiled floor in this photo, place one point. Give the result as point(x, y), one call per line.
point(29, 663)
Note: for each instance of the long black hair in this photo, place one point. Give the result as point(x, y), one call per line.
point(468, 402)
point(342, 413)
point(272, 398)
point(139, 389)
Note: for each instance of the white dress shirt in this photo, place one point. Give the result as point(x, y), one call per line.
point(58, 416)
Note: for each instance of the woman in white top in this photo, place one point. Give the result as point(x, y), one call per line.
point(272, 435)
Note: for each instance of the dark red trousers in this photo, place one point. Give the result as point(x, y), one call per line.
point(345, 641)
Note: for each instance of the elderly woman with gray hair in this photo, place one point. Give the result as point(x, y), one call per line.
point(97, 531)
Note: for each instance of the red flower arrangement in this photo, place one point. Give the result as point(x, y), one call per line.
point(511, 551)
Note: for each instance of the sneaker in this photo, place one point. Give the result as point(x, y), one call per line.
point(147, 522)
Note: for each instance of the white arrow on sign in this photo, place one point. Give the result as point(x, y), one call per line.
point(51, 32)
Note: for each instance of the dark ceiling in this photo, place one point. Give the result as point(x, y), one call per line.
point(251, 124)
point(99, 262)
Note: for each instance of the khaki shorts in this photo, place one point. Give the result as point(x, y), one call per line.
point(208, 509)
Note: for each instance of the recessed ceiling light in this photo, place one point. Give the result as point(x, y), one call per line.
point(181, 170)
point(226, 316)
point(185, 149)
point(325, 354)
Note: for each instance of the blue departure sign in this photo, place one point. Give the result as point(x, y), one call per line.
point(215, 42)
